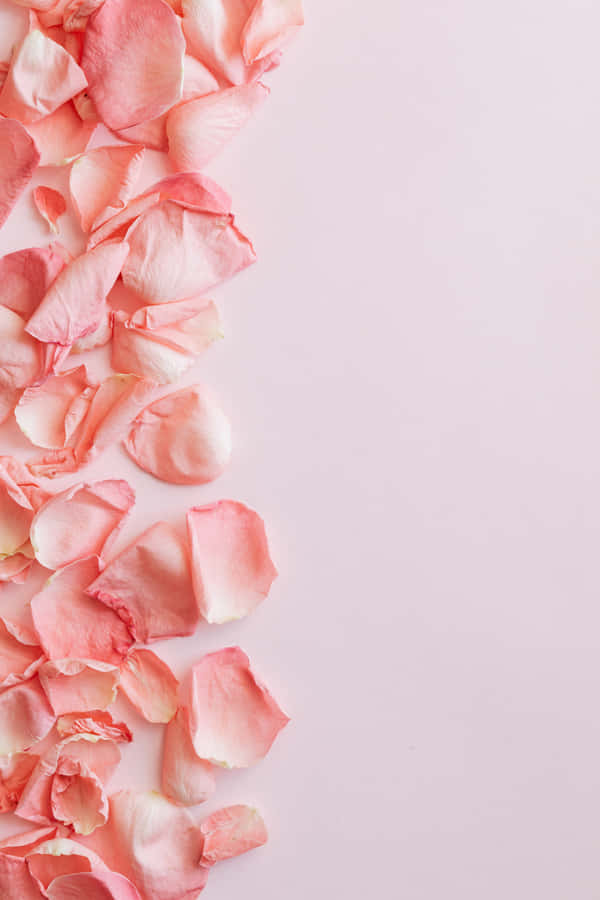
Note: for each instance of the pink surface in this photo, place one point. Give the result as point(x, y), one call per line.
point(412, 371)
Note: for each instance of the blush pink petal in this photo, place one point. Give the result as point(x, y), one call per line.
point(79, 685)
point(16, 882)
point(19, 157)
point(26, 717)
point(93, 886)
point(177, 252)
point(149, 685)
point(231, 564)
point(21, 360)
point(58, 857)
point(42, 76)
point(18, 661)
point(50, 204)
point(198, 130)
point(233, 718)
point(98, 722)
point(82, 521)
point(75, 303)
point(119, 224)
point(162, 341)
point(15, 772)
point(16, 509)
point(193, 191)
point(271, 25)
point(213, 30)
point(186, 779)
point(98, 338)
point(77, 13)
point(102, 182)
point(230, 832)
point(27, 275)
point(149, 585)
point(15, 568)
point(61, 136)
point(133, 59)
point(42, 411)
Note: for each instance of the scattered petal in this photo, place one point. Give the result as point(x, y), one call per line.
point(186, 779)
point(26, 277)
point(102, 181)
point(77, 13)
point(97, 721)
point(119, 225)
point(25, 717)
point(149, 685)
point(42, 411)
point(79, 685)
point(214, 31)
point(271, 25)
point(21, 360)
point(61, 136)
point(93, 886)
point(16, 507)
point(50, 204)
point(230, 832)
point(194, 191)
point(19, 157)
point(15, 772)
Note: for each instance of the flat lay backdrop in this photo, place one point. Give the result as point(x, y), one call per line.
point(412, 371)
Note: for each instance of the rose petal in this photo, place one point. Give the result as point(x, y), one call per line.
point(186, 779)
point(18, 661)
point(177, 252)
point(77, 13)
point(59, 857)
point(79, 685)
point(102, 181)
point(98, 338)
point(199, 129)
point(214, 31)
point(149, 685)
point(15, 568)
point(41, 413)
point(162, 341)
point(19, 158)
point(233, 718)
point(230, 832)
point(21, 360)
point(133, 60)
point(16, 883)
point(82, 521)
point(61, 136)
point(149, 585)
point(50, 204)
point(27, 275)
point(15, 772)
point(271, 25)
point(93, 886)
point(16, 509)
point(25, 717)
point(75, 303)
point(231, 565)
point(97, 721)
point(183, 438)
point(118, 225)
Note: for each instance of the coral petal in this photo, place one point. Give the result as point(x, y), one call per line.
point(19, 158)
point(230, 832)
point(50, 204)
point(149, 685)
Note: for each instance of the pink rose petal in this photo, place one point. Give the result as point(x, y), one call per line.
point(98, 722)
point(183, 438)
point(25, 717)
point(15, 772)
point(98, 338)
point(149, 685)
point(93, 886)
point(233, 718)
point(186, 779)
point(42, 411)
point(213, 32)
point(50, 204)
point(58, 857)
point(16, 507)
point(271, 25)
point(15, 568)
point(18, 661)
point(16, 882)
point(77, 13)
point(21, 360)
point(61, 136)
point(79, 685)
point(27, 275)
point(102, 182)
point(19, 157)
point(230, 832)
point(133, 59)
point(150, 586)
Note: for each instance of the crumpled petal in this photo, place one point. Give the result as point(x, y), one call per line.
point(60, 856)
point(26, 276)
point(183, 438)
point(162, 341)
point(61, 136)
point(133, 62)
point(149, 585)
point(15, 772)
point(93, 886)
point(42, 411)
point(144, 834)
point(21, 360)
point(177, 252)
point(79, 685)
point(25, 717)
point(74, 305)
point(186, 779)
point(102, 182)
point(19, 157)
point(231, 565)
point(18, 661)
point(149, 684)
point(42, 76)
point(271, 25)
point(50, 204)
point(98, 722)
point(198, 130)
point(230, 832)
point(233, 718)
point(82, 521)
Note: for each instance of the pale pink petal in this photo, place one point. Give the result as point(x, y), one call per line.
point(16, 882)
point(25, 717)
point(50, 204)
point(42, 76)
point(58, 857)
point(199, 129)
point(230, 832)
point(93, 886)
point(231, 565)
point(162, 341)
point(197, 79)
point(233, 718)
point(79, 685)
point(75, 303)
point(193, 191)
point(77, 794)
point(21, 360)
point(152, 134)
point(27, 275)
point(18, 661)
point(16, 510)
point(15, 772)
point(77, 13)
point(133, 61)
point(213, 31)
point(183, 438)
point(42, 411)
point(186, 779)
point(176, 252)
point(61, 136)
point(119, 225)
point(15, 568)
point(82, 521)
point(98, 722)
point(86, 110)
point(102, 182)
point(98, 338)
point(149, 685)
point(146, 832)
point(270, 26)
point(149, 585)
point(19, 157)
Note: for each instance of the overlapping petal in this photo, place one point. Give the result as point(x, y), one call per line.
point(19, 157)
point(213, 32)
point(61, 136)
point(149, 684)
point(186, 779)
point(271, 25)
point(50, 204)
point(98, 722)
point(93, 886)
point(18, 661)
point(21, 360)
point(25, 717)
point(19, 500)
point(79, 685)
point(101, 182)
point(15, 771)
point(61, 856)
point(27, 275)
point(230, 832)
point(42, 413)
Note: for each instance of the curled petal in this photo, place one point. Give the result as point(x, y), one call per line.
point(25, 717)
point(102, 181)
point(198, 130)
point(271, 25)
point(214, 31)
point(16, 511)
point(98, 722)
point(42, 412)
point(57, 857)
point(82, 521)
point(149, 685)
point(149, 585)
point(21, 360)
point(133, 60)
point(27, 275)
point(230, 832)
point(18, 661)
point(93, 886)
point(98, 338)
point(50, 204)
point(77, 13)
point(186, 779)
point(74, 685)
point(194, 191)
point(19, 158)
point(61, 136)
point(15, 772)
point(119, 225)
point(233, 718)
point(15, 568)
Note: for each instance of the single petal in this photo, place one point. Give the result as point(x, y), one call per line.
point(102, 182)
point(162, 341)
point(186, 779)
point(74, 305)
point(97, 721)
point(18, 661)
point(27, 275)
point(149, 585)
point(133, 61)
point(75, 685)
point(213, 31)
point(21, 360)
point(93, 886)
point(61, 136)
point(50, 204)
point(183, 438)
point(42, 411)
point(19, 157)
point(42, 76)
point(58, 857)
point(149, 685)
point(230, 832)
point(233, 718)
point(198, 130)
point(15, 772)
point(25, 717)
point(176, 252)
point(231, 565)
point(82, 521)
point(271, 25)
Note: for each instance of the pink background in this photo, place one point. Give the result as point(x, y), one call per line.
point(412, 371)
